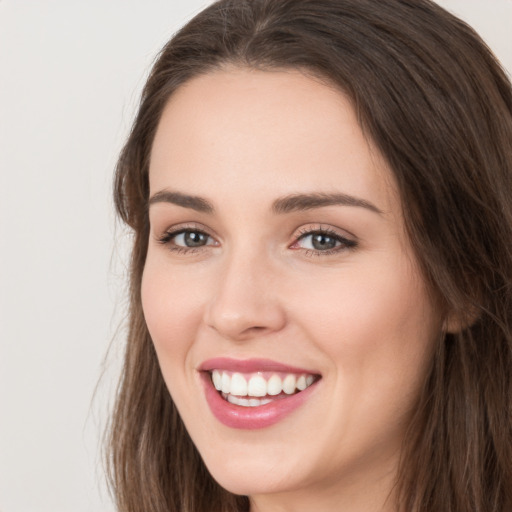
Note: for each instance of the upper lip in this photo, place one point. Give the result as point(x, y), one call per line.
point(251, 366)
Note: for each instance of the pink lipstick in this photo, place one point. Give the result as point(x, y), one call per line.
point(255, 393)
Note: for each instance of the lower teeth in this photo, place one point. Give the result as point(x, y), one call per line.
point(246, 402)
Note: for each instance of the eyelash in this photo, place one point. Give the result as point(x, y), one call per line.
point(168, 236)
point(343, 243)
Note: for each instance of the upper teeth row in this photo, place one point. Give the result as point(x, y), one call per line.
point(257, 385)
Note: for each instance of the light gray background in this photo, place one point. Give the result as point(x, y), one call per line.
point(70, 75)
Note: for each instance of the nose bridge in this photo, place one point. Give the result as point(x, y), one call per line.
point(245, 302)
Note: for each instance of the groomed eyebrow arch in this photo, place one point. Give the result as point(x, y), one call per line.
point(287, 204)
point(186, 201)
point(299, 202)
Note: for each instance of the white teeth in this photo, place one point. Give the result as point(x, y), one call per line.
point(226, 382)
point(257, 386)
point(238, 385)
point(274, 385)
point(217, 379)
point(247, 402)
point(289, 384)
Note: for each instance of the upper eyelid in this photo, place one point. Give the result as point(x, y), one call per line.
point(298, 232)
point(323, 228)
point(343, 238)
point(185, 226)
point(295, 235)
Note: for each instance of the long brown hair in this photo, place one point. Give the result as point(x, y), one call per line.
point(437, 104)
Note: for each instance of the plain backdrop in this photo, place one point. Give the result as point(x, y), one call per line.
point(70, 76)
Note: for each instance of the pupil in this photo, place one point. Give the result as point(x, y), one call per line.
point(322, 242)
point(194, 239)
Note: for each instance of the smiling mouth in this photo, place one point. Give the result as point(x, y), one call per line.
point(259, 388)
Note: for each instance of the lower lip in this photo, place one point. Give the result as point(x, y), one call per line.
point(252, 418)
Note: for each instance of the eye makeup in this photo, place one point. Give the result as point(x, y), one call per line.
point(317, 240)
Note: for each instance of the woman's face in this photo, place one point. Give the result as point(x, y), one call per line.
point(278, 266)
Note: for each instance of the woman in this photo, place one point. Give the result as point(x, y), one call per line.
point(320, 317)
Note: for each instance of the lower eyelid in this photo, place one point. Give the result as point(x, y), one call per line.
point(343, 243)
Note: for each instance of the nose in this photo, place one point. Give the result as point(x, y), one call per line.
point(245, 302)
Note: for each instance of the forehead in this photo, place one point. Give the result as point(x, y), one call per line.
point(265, 132)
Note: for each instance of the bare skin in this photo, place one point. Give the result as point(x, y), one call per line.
point(332, 287)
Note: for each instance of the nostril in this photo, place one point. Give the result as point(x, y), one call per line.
point(239, 332)
point(240, 310)
point(246, 322)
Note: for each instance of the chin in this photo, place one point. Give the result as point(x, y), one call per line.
point(250, 481)
point(251, 472)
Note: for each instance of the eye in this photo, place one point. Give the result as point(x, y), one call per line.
point(191, 239)
point(322, 241)
point(186, 239)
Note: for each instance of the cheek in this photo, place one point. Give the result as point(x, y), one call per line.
point(374, 323)
point(365, 301)
point(377, 328)
point(172, 310)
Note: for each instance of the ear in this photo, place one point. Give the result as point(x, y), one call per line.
point(457, 321)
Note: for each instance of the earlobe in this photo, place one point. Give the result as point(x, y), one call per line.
point(457, 321)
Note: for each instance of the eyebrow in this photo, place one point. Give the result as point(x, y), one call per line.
point(287, 204)
point(300, 202)
point(186, 201)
